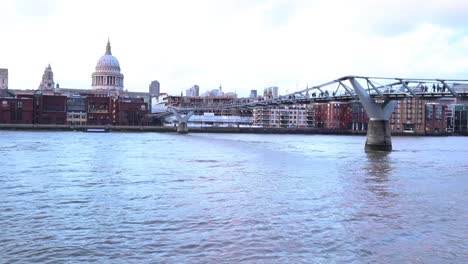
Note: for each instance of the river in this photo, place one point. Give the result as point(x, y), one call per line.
point(230, 198)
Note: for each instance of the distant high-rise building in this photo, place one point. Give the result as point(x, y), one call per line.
point(154, 89)
point(193, 91)
point(275, 91)
point(47, 83)
point(253, 94)
point(4, 79)
point(271, 92)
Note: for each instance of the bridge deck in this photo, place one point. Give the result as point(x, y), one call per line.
point(341, 90)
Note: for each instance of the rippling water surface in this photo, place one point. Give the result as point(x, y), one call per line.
point(229, 198)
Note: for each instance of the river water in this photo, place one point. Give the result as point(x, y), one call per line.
point(231, 198)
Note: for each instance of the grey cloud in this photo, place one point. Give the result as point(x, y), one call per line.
point(279, 13)
point(36, 8)
point(397, 17)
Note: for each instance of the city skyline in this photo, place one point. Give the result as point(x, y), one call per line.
point(243, 45)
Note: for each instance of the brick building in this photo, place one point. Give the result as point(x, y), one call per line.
point(332, 115)
point(435, 118)
point(50, 109)
point(284, 117)
point(131, 112)
point(460, 118)
point(101, 110)
point(408, 116)
point(77, 110)
point(359, 118)
point(16, 110)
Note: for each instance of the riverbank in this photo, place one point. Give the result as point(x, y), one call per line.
point(167, 129)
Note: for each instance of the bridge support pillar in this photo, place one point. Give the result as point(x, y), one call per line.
point(378, 129)
point(378, 136)
point(182, 127)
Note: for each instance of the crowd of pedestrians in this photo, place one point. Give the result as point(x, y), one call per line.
point(435, 88)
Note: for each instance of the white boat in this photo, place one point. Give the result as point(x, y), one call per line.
point(97, 130)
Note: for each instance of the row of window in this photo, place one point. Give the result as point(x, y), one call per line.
point(290, 122)
point(100, 117)
point(76, 116)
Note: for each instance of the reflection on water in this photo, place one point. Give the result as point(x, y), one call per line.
point(379, 163)
point(215, 198)
point(379, 169)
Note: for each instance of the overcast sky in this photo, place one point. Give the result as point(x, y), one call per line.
point(242, 44)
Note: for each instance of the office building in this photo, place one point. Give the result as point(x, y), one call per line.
point(154, 89)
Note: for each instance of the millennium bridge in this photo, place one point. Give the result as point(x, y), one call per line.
point(378, 95)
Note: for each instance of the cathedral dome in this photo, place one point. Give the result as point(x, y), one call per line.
point(107, 75)
point(108, 63)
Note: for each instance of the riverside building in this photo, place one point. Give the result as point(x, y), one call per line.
point(16, 110)
point(281, 117)
point(106, 103)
